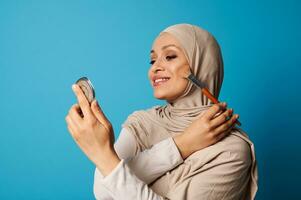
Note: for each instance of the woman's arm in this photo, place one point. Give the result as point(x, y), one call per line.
point(226, 177)
point(167, 154)
point(151, 163)
point(147, 165)
point(122, 183)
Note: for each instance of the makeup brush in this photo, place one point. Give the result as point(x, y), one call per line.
point(205, 91)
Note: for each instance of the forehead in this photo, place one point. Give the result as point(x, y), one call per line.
point(163, 40)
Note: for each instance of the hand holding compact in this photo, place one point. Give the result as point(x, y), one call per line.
point(92, 132)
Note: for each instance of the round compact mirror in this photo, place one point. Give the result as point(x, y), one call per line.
point(87, 87)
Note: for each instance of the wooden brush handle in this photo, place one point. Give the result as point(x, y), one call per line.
point(214, 100)
point(209, 95)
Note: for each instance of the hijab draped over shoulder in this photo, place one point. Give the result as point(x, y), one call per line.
point(204, 56)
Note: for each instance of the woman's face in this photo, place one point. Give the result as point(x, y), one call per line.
point(168, 68)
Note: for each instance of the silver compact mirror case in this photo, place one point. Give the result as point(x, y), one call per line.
point(87, 88)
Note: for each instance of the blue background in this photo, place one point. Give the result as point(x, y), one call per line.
point(47, 45)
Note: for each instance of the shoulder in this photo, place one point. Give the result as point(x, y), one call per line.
point(238, 146)
point(150, 110)
point(233, 150)
point(138, 116)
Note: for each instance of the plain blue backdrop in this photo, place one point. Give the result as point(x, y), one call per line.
point(45, 46)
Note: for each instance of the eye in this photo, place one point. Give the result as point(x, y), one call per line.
point(171, 57)
point(152, 62)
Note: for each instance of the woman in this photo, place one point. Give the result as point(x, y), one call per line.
point(186, 149)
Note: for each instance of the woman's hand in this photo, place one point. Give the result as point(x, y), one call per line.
point(209, 128)
point(92, 132)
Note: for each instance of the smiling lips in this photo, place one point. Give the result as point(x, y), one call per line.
point(160, 81)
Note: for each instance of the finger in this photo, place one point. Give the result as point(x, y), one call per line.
point(225, 126)
point(71, 131)
point(82, 100)
point(71, 123)
point(74, 114)
point(222, 118)
point(74, 134)
point(97, 111)
point(213, 110)
point(223, 134)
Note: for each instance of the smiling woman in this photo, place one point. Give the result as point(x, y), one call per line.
point(186, 149)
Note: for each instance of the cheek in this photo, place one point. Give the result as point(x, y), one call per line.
point(182, 83)
point(180, 68)
point(183, 71)
point(178, 84)
point(180, 74)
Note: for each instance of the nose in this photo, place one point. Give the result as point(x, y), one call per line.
point(157, 67)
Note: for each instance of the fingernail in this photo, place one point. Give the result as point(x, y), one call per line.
point(73, 86)
point(236, 116)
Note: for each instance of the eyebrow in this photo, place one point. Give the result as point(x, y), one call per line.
point(166, 46)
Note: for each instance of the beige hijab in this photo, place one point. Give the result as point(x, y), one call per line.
point(159, 122)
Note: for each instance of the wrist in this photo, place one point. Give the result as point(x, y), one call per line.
point(107, 162)
point(182, 143)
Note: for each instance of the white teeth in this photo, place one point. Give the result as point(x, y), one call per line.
point(161, 79)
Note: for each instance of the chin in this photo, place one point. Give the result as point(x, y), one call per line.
point(160, 95)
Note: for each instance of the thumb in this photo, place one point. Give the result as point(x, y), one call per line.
point(97, 111)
